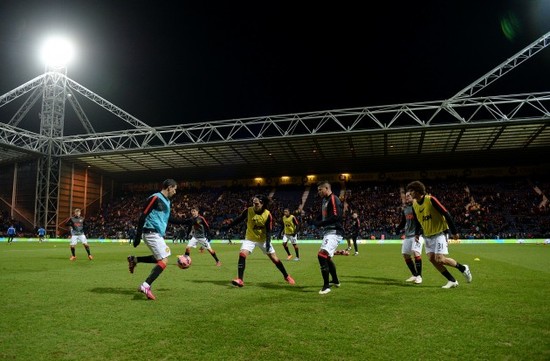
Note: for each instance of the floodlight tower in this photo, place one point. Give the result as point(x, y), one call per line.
point(56, 54)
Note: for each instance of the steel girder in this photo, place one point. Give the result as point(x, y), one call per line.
point(529, 108)
point(504, 67)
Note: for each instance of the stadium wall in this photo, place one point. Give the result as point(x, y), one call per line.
point(78, 188)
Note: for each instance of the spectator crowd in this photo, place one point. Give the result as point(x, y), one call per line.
point(482, 209)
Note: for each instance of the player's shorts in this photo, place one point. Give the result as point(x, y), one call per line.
point(330, 242)
point(410, 246)
point(157, 245)
point(289, 238)
point(78, 238)
point(250, 245)
point(437, 243)
point(201, 241)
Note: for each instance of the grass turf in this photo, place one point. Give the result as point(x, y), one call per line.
point(54, 309)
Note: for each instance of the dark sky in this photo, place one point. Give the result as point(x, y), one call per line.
point(201, 61)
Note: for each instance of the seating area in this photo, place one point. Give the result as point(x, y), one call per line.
point(482, 208)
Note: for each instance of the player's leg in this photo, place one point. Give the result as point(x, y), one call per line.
point(246, 248)
point(84, 241)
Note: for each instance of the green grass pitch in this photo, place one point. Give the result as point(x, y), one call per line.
point(55, 309)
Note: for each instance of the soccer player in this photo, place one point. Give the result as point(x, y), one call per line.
point(131, 233)
point(199, 233)
point(11, 233)
point(181, 235)
point(289, 233)
point(412, 246)
point(436, 221)
point(76, 225)
point(152, 225)
point(259, 223)
point(355, 227)
point(41, 234)
point(229, 236)
point(333, 232)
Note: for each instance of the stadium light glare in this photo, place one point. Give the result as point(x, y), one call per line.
point(57, 51)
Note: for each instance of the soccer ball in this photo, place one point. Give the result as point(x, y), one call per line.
point(184, 261)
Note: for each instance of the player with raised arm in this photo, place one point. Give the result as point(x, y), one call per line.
point(259, 224)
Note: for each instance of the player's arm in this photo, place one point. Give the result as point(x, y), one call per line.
point(239, 219)
point(206, 228)
point(70, 224)
point(151, 204)
point(268, 230)
point(445, 213)
point(186, 221)
point(296, 225)
point(402, 222)
point(417, 227)
point(281, 232)
point(179, 221)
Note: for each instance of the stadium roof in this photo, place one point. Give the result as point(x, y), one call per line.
point(464, 131)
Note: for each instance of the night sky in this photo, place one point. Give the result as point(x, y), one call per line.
point(168, 64)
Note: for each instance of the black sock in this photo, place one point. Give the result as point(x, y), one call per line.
point(286, 250)
point(297, 251)
point(157, 270)
point(418, 264)
point(323, 262)
point(215, 256)
point(281, 268)
point(73, 251)
point(332, 271)
point(241, 266)
point(146, 259)
point(448, 276)
point(410, 264)
point(460, 267)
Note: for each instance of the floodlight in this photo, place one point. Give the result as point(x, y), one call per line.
point(57, 52)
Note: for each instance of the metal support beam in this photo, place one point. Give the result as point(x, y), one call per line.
point(52, 119)
point(47, 193)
